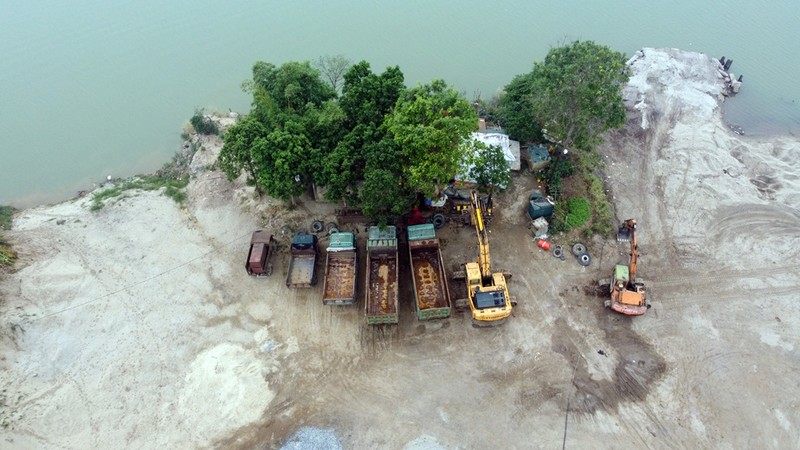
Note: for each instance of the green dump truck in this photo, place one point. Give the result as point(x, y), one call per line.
point(381, 294)
point(431, 294)
point(341, 267)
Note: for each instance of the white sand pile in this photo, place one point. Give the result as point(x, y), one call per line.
point(120, 331)
point(717, 187)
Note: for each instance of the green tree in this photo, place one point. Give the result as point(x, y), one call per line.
point(345, 166)
point(368, 97)
point(292, 86)
point(489, 167)
point(515, 111)
point(285, 161)
point(574, 94)
point(237, 152)
point(431, 124)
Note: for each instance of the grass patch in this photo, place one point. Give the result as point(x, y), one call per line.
point(173, 189)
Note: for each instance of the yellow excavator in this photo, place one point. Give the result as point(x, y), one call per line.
point(486, 291)
point(628, 294)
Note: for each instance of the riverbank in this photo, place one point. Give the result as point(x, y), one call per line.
point(136, 325)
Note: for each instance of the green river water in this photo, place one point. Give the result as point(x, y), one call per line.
point(92, 88)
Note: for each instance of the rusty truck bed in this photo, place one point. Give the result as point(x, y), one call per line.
point(382, 288)
point(340, 278)
point(428, 279)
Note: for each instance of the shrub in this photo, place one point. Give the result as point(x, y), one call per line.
point(6, 213)
point(203, 124)
point(558, 169)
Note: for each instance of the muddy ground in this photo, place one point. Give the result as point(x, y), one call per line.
point(137, 326)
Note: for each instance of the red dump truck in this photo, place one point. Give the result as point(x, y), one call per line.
point(302, 271)
point(262, 246)
point(381, 292)
point(341, 267)
point(431, 294)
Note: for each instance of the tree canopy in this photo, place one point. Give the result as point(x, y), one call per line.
point(378, 144)
point(430, 124)
point(489, 167)
point(238, 150)
point(574, 94)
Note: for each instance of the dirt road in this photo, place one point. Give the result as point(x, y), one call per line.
point(137, 326)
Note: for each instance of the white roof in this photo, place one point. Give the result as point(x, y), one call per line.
point(510, 149)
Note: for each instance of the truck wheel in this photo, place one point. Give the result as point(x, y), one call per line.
point(584, 259)
point(558, 252)
point(317, 226)
point(578, 249)
point(438, 221)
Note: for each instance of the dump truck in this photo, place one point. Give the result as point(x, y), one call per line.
point(341, 267)
point(380, 301)
point(302, 271)
point(262, 247)
point(431, 294)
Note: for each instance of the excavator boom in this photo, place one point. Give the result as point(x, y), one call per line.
point(484, 258)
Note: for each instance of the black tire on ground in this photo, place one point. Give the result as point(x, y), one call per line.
point(332, 226)
point(578, 249)
point(317, 226)
point(584, 259)
point(558, 252)
point(438, 220)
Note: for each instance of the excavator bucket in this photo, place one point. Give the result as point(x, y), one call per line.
point(624, 234)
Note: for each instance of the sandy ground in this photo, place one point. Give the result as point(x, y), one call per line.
point(136, 326)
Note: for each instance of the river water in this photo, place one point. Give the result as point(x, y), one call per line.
point(90, 88)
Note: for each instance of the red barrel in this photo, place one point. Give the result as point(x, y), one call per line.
point(544, 245)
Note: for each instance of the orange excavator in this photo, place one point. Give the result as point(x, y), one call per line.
point(628, 294)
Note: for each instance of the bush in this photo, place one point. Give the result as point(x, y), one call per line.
point(7, 255)
point(203, 124)
point(6, 213)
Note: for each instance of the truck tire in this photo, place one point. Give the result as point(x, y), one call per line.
point(578, 249)
point(584, 259)
point(558, 252)
point(332, 227)
point(438, 221)
point(317, 226)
